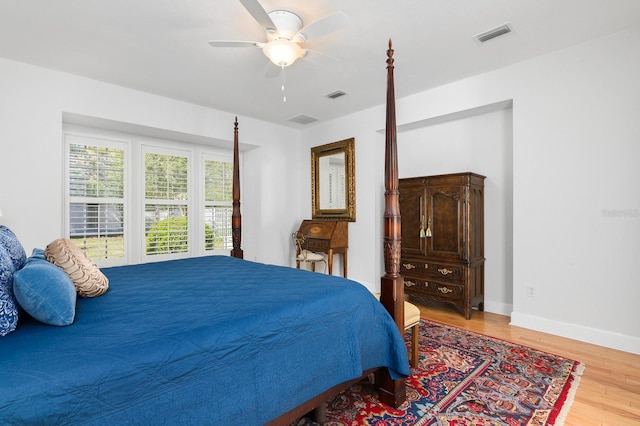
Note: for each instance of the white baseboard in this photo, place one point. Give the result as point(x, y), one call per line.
point(498, 307)
point(578, 332)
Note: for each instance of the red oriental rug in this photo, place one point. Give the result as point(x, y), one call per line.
point(465, 378)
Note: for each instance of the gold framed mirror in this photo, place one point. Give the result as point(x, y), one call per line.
point(333, 181)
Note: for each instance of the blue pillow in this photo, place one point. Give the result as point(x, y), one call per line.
point(37, 253)
point(13, 247)
point(12, 258)
point(45, 292)
point(8, 306)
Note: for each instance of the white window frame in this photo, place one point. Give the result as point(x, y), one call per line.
point(204, 157)
point(189, 203)
point(135, 147)
point(74, 138)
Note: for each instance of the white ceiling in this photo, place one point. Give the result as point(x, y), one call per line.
point(160, 46)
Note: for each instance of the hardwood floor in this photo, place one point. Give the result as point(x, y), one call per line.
point(609, 390)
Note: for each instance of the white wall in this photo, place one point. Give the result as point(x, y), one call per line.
point(576, 150)
point(32, 104)
point(576, 202)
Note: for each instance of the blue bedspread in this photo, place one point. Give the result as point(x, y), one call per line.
point(211, 340)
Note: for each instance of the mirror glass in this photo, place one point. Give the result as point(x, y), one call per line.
point(332, 190)
point(333, 181)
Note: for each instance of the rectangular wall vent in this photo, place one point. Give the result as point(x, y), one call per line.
point(335, 94)
point(302, 119)
point(493, 33)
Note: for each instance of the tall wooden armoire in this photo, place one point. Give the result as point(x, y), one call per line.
point(442, 257)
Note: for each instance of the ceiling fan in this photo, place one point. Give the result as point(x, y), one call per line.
point(286, 37)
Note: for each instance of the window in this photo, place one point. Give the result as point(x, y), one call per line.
point(96, 194)
point(166, 205)
point(218, 204)
point(174, 198)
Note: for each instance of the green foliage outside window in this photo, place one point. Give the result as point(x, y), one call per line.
point(170, 235)
point(96, 171)
point(166, 177)
point(218, 181)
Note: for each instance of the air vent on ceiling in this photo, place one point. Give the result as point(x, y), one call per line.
point(303, 119)
point(335, 94)
point(493, 33)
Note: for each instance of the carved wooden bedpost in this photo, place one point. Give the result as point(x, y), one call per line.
point(236, 217)
point(392, 392)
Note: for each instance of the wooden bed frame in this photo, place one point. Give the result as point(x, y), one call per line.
point(391, 392)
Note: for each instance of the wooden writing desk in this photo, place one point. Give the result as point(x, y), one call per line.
point(326, 236)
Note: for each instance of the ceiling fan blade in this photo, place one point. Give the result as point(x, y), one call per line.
point(259, 14)
point(324, 26)
point(317, 52)
point(235, 43)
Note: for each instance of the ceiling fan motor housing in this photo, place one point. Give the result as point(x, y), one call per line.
point(287, 24)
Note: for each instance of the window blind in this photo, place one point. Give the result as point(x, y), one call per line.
point(96, 171)
point(166, 207)
point(218, 208)
point(96, 199)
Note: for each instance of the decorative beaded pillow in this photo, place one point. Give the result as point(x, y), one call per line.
point(86, 276)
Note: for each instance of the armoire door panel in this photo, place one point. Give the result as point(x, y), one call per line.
point(412, 214)
point(445, 212)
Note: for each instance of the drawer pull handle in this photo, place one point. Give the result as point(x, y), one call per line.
point(409, 283)
point(408, 266)
point(444, 290)
point(445, 271)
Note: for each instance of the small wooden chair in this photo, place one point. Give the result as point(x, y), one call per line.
point(411, 321)
point(304, 255)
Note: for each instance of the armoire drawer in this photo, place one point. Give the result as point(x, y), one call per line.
point(446, 290)
point(412, 267)
point(414, 284)
point(438, 290)
point(429, 270)
point(441, 271)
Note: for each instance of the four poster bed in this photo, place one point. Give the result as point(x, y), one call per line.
point(214, 339)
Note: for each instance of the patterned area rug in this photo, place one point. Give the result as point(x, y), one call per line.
point(464, 378)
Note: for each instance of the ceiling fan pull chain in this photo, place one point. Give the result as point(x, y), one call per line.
point(284, 94)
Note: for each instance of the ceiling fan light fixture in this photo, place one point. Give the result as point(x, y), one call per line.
point(282, 52)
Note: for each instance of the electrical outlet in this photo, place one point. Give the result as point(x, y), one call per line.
point(531, 291)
